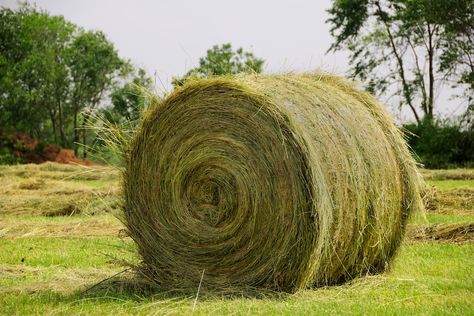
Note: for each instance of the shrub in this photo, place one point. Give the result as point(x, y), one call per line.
point(440, 144)
point(18, 147)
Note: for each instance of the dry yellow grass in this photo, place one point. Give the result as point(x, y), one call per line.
point(451, 233)
point(448, 174)
point(57, 190)
point(77, 226)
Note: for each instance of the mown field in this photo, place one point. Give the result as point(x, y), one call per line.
point(61, 242)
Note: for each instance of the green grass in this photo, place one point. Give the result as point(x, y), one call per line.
point(452, 184)
point(436, 218)
point(46, 264)
point(430, 276)
point(101, 183)
point(66, 220)
point(65, 252)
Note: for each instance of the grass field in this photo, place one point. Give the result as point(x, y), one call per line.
point(59, 237)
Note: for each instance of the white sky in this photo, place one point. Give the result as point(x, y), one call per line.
point(168, 37)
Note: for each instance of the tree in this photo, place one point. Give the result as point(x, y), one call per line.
point(33, 71)
point(52, 73)
point(457, 57)
point(94, 64)
point(408, 47)
point(222, 60)
point(128, 101)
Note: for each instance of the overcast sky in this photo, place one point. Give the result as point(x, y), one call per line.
point(168, 37)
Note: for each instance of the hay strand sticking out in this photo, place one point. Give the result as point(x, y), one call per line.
point(281, 182)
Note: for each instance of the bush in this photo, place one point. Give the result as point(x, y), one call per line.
point(8, 158)
point(18, 147)
point(441, 145)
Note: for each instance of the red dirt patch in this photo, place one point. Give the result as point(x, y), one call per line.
point(67, 156)
point(24, 149)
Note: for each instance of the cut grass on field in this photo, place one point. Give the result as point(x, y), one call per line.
point(58, 190)
point(48, 262)
point(448, 174)
point(60, 226)
point(452, 184)
point(425, 277)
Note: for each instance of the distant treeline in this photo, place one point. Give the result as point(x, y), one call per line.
point(439, 144)
point(53, 73)
point(407, 51)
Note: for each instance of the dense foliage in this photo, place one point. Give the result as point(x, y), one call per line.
point(409, 48)
point(441, 144)
point(53, 73)
point(129, 100)
point(223, 60)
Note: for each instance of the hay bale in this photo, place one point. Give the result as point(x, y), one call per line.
point(280, 181)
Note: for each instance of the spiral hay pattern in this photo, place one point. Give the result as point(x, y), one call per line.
point(281, 182)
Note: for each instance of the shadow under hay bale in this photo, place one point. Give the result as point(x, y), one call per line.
point(127, 283)
point(278, 182)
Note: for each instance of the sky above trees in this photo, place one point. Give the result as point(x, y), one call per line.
point(167, 38)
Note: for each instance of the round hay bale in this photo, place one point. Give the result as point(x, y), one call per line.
point(278, 181)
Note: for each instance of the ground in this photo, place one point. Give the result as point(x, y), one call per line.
point(60, 237)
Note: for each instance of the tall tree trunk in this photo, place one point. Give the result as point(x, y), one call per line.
point(61, 124)
point(401, 68)
point(52, 117)
point(429, 114)
point(55, 133)
point(84, 137)
point(76, 132)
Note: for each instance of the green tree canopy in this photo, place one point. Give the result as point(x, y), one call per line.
point(52, 73)
point(409, 47)
point(223, 60)
point(33, 70)
point(94, 64)
point(128, 100)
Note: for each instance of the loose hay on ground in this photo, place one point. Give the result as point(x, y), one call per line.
point(69, 190)
point(459, 201)
point(452, 233)
point(82, 226)
point(281, 182)
point(448, 174)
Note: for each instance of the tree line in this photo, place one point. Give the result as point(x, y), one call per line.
point(407, 51)
point(52, 73)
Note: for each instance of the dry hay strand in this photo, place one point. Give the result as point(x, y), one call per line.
point(34, 184)
point(448, 174)
point(279, 181)
point(430, 197)
point(448, 201)
point(69, 190)
point(91, 226)
point(452, 233)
